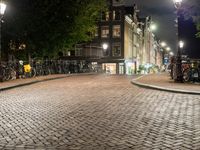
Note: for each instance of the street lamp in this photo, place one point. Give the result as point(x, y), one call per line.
point(178, 65)
point(177, 3)
point(181, 44)
point(105, 46)
point(163, 44)
point(153, 27)
point(168, 48)
point(171, 53)
point(2, 10)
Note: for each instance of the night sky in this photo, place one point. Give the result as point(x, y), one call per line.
point(163, 14)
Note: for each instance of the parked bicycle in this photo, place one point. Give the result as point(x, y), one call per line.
point(37, 67)
point(29, 71)
point(191, 74)
point(7, 71)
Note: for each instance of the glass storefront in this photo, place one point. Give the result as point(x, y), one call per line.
point(109, 68)
point(121, 68)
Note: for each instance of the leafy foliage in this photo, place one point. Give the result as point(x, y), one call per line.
point(48, 26)
point(191, 9)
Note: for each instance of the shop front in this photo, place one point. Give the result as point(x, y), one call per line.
point(131, 67)
point(109, 68)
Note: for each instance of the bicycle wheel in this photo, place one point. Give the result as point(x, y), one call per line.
point(33, 72)
point(186, 75)
point(12, 74)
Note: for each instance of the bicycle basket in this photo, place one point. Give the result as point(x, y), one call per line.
point(27, 68)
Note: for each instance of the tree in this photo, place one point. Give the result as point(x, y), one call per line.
point(47, 26)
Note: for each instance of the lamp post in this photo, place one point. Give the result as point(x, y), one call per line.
point(178, 64)
point(2, 10)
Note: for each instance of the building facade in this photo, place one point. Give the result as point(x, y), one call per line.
point(122, 42)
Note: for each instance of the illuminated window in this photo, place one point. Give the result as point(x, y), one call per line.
point(105, 31)
point(117, 15)
point(116, 49)
point(116, 31)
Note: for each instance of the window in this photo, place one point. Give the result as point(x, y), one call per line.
point(116, 31)
point(116, 49)
point(105, 31)
point(117, 15)
point(105, 16)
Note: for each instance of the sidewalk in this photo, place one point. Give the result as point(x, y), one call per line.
point(22, 82)
point(162, 81)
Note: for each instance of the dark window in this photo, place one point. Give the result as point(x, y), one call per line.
point(117, 15)
point(116, 49)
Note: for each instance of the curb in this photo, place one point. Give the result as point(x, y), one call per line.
point(44, 80)
point(154, 87)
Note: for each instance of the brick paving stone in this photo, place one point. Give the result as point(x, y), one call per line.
point(164, 80)
point(97, 112)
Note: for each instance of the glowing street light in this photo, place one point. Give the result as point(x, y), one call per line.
point(181, 44)
point(177, 3)
point(105, 46)
point(153, 27)
point(171, 53)
point(163, 44)
point(168, 48)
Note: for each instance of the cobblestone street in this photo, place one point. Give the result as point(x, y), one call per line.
point(97, 112)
